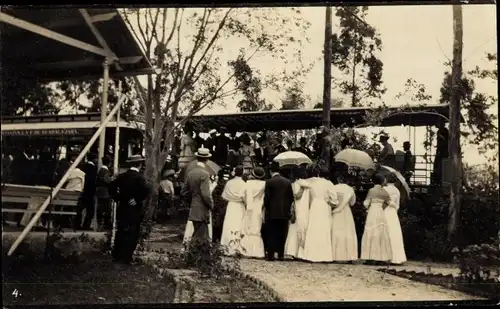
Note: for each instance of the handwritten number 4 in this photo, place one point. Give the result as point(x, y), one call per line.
point(15, 293)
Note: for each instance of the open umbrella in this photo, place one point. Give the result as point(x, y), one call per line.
point(292, 158)
point(400, 183)
point(212, 167)
point(355, 158)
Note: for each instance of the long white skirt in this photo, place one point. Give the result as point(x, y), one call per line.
point(396, 236)
point(292, 241)
point(344, 238)
point(252, 244)
point(232, 227)
point(318, 244)
point(376, 244)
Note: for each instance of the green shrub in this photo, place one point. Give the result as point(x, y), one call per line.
point(480, 267)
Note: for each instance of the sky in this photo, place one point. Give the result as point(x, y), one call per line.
point(417, 41)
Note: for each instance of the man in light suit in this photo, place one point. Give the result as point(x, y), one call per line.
point(278, 200)
point(196, 191)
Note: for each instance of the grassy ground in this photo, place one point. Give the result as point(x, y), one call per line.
point(94, 281)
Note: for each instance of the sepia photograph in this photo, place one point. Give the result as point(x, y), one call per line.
point(259, 154)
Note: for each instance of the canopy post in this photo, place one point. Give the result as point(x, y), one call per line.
point(65, 177)
point(104, 110)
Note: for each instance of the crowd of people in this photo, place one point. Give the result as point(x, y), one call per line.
point(308, 217)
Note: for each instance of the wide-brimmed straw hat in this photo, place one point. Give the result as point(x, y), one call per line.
point(203, 153)
point(135, 159)
point(213, 131)
point(258, 173)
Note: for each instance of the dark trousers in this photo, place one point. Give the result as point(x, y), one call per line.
point(87, 203)
point(216, 233)
point(277, 231)
point(200, 230)
point(104, 213)
point(126, 240)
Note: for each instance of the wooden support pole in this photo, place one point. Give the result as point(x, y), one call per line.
point(327, 84)
point(104, 110)
point(58, 187)
point(454, 129)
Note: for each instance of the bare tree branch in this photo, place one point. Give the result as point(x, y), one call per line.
point(127, 21)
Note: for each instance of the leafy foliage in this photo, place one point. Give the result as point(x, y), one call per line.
point(249, 85)
point(185, 45)
point(480, 267)
point(481, 124)
point(353, 53)
point(294, 98)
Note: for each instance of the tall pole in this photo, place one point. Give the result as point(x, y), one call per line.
point(327, 83)
point(104, 110)
point(454, 143)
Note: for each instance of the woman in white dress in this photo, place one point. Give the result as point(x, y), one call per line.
point(188, 232)
point(188, 148)
point(234, 194)
point(393, 224)
point(318, 243)
point(297, 231)
point(252, 243)
point(344, 238)
point(376, 244)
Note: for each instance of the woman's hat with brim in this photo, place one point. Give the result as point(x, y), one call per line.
point(384, 136)
point(258, 173)
point(203, 153)
point(213, 131)
point(135, 159)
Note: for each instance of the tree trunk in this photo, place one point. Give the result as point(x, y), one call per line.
point(327, 84)
point(354, 103)
point(454, 146)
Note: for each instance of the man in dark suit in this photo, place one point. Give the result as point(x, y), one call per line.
point(87, 199)
point(129, 189)
point(303, 147)
point(102, 194)
point(278, 200)
point(196, 191)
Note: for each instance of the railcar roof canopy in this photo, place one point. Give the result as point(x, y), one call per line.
point(68, 43)
point(307, 119)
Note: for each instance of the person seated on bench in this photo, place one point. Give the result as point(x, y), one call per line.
point(75, 182)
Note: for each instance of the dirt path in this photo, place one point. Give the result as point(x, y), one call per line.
point(299, 281)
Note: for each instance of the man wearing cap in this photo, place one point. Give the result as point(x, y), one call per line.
point(386, 156)
point(196, 190)
point(408, 163)
point(166, 193)
point(129, 189)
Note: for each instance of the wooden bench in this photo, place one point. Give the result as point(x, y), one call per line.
point(17, 198)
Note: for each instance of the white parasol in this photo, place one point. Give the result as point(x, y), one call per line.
point(355, 158)
point(401, 183)
point(292, 158)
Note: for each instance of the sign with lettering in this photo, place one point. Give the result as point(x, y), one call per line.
point(48, 132)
